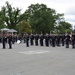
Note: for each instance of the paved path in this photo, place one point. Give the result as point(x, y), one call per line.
point(36, 60)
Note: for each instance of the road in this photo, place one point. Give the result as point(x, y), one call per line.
point(37, 60)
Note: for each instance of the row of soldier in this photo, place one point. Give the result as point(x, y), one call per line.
point(52, 39)
point(49, 39)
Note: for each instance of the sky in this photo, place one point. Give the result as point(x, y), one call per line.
point(61, 6)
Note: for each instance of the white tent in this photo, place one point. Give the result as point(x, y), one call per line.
point(5, 29)
point(12, 30)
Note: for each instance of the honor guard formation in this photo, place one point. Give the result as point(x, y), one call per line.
point(38, 40)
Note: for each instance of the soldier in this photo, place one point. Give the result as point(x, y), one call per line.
point(50, 40)
point(53, 38)
point(24, 37)
point(36, 39)
point(67, 40)
point(13, 39)
point(10, 41)
point(32, 39)
point(62, 39)
point(73, 40)
point(47, 39)
point(4, 41)
point(41, 39)
point(27, 40)
point(58, 37)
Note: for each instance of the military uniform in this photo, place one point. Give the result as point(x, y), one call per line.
point(58, 37)
point(47, 40)
point(41, 39)
point(73, 41)
point(67, 40)
point(53, 40)
point(36, 39)
point(32, 39)
point(4, 41)
point(27, 40)
point(10, 41)
point(62, 39)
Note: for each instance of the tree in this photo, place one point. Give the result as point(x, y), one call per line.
point(1, 22)
point(64, 27)
point(41, 18)
point(23, 27)
point(10, 16)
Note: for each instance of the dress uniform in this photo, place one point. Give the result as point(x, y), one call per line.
point(67, 40)
point(53, 38)
point(10, 41)
point(27, 40)
point(32, 39)
point(4, 41)
point(47, 40)
point(36, 39)
point(58, 37)
point(41, 39)
point(62, 39)
point(73, 41)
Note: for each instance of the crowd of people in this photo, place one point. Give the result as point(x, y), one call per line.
point(39, 39)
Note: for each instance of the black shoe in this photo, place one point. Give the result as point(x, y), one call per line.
point(67, 47)
point(10, 48)
point(73, 47)
point(3, 48)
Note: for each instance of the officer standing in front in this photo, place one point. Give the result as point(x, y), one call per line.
point(4, 41)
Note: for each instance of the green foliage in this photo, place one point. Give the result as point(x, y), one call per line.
point(41, 18)
point(10, 16)
point(64, 27)
point(36, 19)
point(68, 31)
point(23, 27)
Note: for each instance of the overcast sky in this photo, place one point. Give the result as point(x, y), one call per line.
point(61, 6)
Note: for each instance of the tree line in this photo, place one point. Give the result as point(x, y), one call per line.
point(36, 18)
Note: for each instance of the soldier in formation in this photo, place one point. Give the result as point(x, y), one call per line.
point(73, 40)
point(53, 40)
point(42, 39)
point(36, 37)
point(32, 39)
